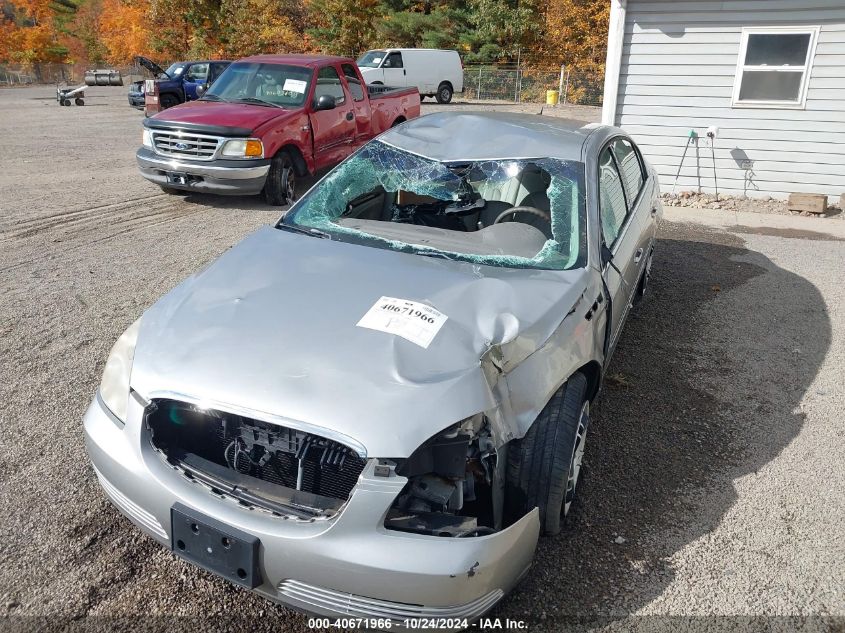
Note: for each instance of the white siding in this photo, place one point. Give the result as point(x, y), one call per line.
point(678, 65)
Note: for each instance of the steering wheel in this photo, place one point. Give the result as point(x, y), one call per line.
point(523, 209)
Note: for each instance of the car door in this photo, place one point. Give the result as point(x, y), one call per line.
point(639, 193)
point(195, 75)
point(394, 70)
point(333, 130)
point(620, 235)
point(216, 69)
point(360, 105)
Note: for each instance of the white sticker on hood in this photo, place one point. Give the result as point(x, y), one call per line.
point(413, 321)
point(294, 85)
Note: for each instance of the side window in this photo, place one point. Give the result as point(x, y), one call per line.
point(215, 72)
point(328, 83)
point(353, 82)
point(630, 167)
point(612, 203)
point(394, 60)
point(197, 73)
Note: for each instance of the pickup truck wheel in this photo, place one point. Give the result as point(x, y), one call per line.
point(544, 467)
point(444, 92)
point(280, 188)
point(168, 101)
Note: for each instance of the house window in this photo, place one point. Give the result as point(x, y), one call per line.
point(774, 67)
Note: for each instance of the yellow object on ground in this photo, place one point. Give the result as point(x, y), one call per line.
point(551, 97)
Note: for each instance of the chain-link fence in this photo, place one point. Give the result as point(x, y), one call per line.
point(528, 84)
point(52, 73)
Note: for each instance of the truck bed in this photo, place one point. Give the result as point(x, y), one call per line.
point(379, 91)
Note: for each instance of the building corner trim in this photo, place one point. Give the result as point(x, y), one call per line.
point(613, 63)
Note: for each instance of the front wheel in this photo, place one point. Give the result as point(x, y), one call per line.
point(544, 467)
point(444, 93)
point(168, 101)
point(280, 188)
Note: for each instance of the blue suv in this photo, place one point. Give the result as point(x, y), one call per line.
point(178, 83)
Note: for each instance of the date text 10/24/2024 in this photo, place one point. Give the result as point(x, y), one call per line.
point(448, 624)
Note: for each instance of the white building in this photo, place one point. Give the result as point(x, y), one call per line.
point(770, 74)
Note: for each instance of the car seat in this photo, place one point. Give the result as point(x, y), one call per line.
point(527, 188)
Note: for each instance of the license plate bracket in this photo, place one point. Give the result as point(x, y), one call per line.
point(215, 546)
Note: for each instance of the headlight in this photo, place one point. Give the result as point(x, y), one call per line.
point(243, 148)
point(147, 138)
point(114, 387)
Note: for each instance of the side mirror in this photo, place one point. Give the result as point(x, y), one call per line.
point(606, 254)
point(325, 102)
point(201, 89)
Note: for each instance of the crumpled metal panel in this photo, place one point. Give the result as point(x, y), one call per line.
point(270, 329)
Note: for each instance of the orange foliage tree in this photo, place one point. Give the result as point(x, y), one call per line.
point(124, 30)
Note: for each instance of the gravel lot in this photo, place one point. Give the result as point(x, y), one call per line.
point(714, 492)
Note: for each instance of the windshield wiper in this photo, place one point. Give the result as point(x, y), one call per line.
point(211, 97)
point(304, 230)
point(257, 101)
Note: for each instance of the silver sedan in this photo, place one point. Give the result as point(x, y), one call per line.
point(376, 406)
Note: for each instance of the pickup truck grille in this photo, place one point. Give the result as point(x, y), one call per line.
point(196, 146)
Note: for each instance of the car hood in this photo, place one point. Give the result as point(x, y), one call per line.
point(235, 115)
point(150, 65)
point(269, 329)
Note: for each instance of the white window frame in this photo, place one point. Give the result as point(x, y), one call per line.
point(806, 68)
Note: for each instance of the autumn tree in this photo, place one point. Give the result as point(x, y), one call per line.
point(251, 27)
point(124, 30)
point(344, 27)
point(32, 31)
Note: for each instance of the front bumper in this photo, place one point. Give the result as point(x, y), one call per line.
point(136, 100)
point(228, 177)
point(349, 565)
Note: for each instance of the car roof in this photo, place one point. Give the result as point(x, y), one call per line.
point(474, 136)
point(296, 59)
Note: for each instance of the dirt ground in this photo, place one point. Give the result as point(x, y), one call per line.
point(714, 492)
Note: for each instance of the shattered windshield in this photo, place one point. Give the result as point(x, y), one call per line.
point(521, 213)
point(371, 59)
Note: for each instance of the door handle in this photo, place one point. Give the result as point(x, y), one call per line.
point(404, 72)
point(638, 256)
point(349, 116)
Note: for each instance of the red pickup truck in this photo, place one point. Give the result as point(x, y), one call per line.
point(267, 120)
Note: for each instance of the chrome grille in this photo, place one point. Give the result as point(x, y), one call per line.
point(196, 146)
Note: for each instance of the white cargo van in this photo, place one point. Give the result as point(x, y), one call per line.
point(434, 72)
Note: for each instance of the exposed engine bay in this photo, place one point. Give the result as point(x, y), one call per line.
point(454, 488)
point(273, 467)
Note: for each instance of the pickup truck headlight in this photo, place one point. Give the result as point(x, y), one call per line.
point(147, 139)
point(243, 148)
point(114, 387)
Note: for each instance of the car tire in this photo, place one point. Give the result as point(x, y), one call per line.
point(444, 92)
point(168, 101)
point(642, 286)
point(544, 467)
point(280, 188)
point(79, 102)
